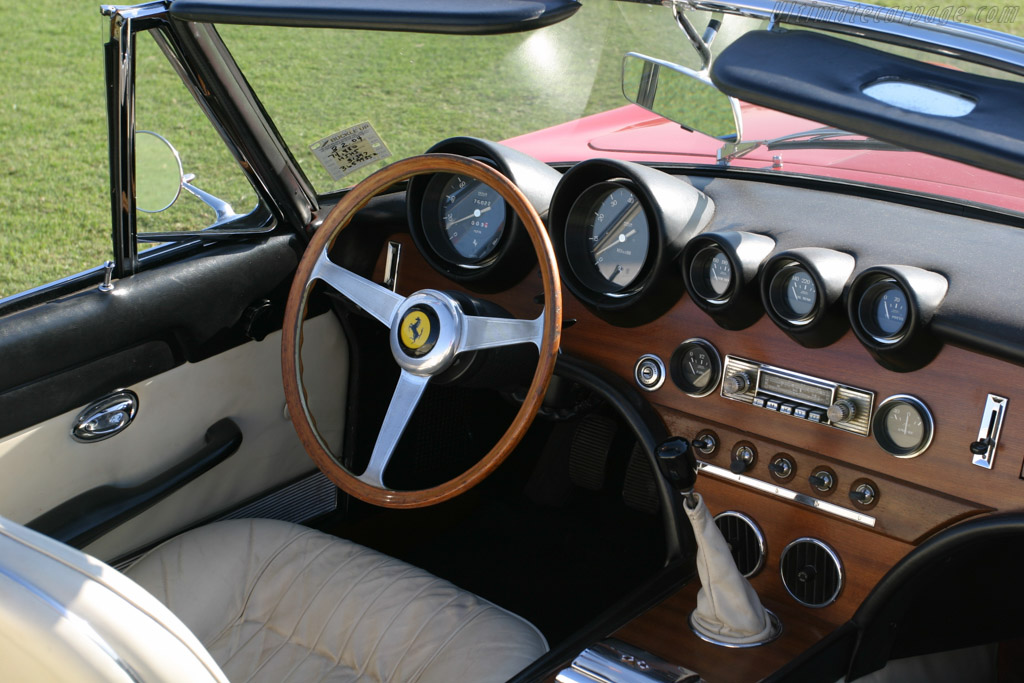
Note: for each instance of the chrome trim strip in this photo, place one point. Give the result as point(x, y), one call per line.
point(76, 622)
point(614, 661)
point(787, 494)
point(888, 24)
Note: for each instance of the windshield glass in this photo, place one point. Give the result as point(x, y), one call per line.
point(557, 94)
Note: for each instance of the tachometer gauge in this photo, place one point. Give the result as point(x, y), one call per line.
point(794, 294)
point(608, 237)
point(883, 311)
point(473, 217)
point(903, 426)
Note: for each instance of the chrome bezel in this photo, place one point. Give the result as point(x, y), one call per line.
point(776, 295)
point(882, 411)
point(831, 553)
point(435, 233)
point(865, 312)
point(716, 360)
point(700, 278)
point(661, 369)
point(762, 545)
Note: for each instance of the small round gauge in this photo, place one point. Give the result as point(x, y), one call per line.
point(884, 311)
point(696, 367)
point(608, 237)
point(711, 274)
point(794, 294)
point(903, 426)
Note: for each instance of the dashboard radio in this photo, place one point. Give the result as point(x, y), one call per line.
point(797, 395)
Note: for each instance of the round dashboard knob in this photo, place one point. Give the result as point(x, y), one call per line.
point(842, 410)
point(738, 383)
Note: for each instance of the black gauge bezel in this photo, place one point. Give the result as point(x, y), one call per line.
point(880, 431)
point(740, 306)
point(676, 211)
point(700, 277)
point(435, 231)
point(779, 300)
point(913, 346)
point(867, 306)
point(513, 257)
point(830, 271)
point(577, 250)
point(679, 376)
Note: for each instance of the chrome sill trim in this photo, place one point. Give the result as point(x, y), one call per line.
point(787, 494)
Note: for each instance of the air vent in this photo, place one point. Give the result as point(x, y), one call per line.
point(811, 572)
point(745, 541)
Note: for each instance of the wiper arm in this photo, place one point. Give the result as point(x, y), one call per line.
point(817, 138)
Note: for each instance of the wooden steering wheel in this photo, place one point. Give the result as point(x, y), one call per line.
point(427, 331)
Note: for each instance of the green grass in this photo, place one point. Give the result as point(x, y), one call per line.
point(415, 89)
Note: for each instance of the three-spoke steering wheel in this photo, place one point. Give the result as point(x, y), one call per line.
point(427, 331)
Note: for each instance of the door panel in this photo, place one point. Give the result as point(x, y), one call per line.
point(42, 466)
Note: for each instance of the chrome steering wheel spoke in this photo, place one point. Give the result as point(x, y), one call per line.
point(480, 332)
point(377, 300)
point(407, 395)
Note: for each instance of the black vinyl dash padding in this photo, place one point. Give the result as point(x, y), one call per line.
point(820, 78)
point(473, 17)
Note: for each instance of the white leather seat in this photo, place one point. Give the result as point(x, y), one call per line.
point(274, 601)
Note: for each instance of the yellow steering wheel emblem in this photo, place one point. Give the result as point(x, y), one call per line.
point(415, 329)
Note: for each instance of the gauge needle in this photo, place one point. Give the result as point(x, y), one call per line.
point(620, 223)
point(622, 238)
point(906, 425)
point(885, 307)
point(476, 214)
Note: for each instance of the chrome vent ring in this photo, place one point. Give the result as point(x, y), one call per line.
point(811, 572)
point(745, 539)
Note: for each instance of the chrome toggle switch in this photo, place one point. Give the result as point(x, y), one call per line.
point(983, 451)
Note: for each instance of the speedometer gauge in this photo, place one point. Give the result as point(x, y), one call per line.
point(608, 237)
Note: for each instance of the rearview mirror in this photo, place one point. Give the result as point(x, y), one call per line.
point(680, 94)
point(158, 174)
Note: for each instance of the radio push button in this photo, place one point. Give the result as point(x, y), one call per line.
point(801, 412)
point(815, 415)
point(787, 408)
point(772, 404)
point(758, 401)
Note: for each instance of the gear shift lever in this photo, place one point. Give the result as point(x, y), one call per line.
point(728, 611)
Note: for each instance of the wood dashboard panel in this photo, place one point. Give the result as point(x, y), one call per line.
point(918, 496)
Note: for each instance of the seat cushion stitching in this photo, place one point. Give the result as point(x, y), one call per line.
point(249, 589)
point(448, 640)
point(415, 636)
point(394, 616)
point(359, 618)
point(280, 599)
point(339, 568)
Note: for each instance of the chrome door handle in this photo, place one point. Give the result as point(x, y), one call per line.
point(106, 417)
